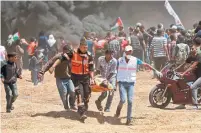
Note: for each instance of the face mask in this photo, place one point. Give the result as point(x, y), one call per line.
point(40, 55)
point(128, 56)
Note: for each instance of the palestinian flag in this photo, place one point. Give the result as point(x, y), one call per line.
point(16, 36)
point(117, 24)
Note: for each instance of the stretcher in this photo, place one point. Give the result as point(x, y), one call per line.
point(101, 85)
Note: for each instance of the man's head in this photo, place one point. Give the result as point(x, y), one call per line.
point(160, 32)
point(109, 54)
point(142, 28)
point(181, 39)
point(33, 39)
point(195, 25)
point(42, 33)
point(12, 57)
point(160, 26)
point(197, 41)
point(83, 45)
point(86, 34)
point(121, 28)
point(200, 22)
point(128, 51)
point(68, 50)
point(196, 46)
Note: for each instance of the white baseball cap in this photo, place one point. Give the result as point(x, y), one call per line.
point(138, 24)
point(128, 48)
point(174, 27)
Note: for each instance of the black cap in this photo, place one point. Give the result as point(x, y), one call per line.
point(109, 51)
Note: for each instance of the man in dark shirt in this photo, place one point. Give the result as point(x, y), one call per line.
point(63, 77)
point(195, 57)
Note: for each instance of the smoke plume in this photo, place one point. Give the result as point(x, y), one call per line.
point(71, 18)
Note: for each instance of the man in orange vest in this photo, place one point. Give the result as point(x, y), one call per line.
point(82, 74)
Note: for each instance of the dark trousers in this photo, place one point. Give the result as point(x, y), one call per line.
point(11, 94)
point(159, 62)
point(82, 92)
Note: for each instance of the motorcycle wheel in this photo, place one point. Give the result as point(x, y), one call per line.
point(155, 97)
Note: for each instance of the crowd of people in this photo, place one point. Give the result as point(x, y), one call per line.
point(115, 57)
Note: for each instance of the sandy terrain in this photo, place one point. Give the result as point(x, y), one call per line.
point(39, 110)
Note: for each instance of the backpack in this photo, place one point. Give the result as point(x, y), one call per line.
point(182, 53)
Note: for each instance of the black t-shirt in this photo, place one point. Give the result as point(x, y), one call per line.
point(197, 58)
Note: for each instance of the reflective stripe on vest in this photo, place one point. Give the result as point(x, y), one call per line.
point(127, 71)
point(79, 64)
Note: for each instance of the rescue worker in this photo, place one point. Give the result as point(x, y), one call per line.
point(126, 79)
point(82, 74)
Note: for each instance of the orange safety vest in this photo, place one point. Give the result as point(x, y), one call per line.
point(80, 65)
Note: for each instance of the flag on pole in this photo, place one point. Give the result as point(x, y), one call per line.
point(16, 36)
point(117, 24)
point(172, 13)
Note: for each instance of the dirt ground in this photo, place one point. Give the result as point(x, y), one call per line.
point(39, 110)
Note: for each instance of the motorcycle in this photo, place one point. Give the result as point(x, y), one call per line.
point(172, 87)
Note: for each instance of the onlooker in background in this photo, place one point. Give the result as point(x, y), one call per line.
point(171, 46)
point(36, 66)
point(3, 55)
point(20, 53)
point(43, 44)
point(137, 43)
point(159, 50)
point(181, 51)
point(32, 46)
point(198, 27)
point(52, 46)
point(9, 75)
point(146, 37)
point(90, 43)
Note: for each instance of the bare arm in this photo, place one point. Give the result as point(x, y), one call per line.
point(192, 67)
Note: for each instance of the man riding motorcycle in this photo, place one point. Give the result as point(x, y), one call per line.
point(195, 57)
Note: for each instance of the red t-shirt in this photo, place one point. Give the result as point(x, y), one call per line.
point(31, 48)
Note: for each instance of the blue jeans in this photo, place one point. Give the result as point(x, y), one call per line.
point(194, 87)
point(110, 95)
point(11, 94)
point(65, 87)
point(126, 89)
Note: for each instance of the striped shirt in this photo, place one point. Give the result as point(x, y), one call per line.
point(158, 45)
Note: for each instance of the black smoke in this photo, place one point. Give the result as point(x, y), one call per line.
point(71, 18)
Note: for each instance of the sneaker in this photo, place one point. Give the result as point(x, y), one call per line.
point(107, 110)
point(182, 106)
point(12, 107)
point(195, 107)
point(83, 117)
point(8, 110)
point(73, 108)
point(129, 123)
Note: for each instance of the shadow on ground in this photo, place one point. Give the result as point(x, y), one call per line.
point(74, 116)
